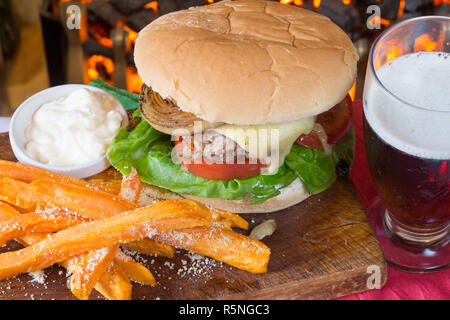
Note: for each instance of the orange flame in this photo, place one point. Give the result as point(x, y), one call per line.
point(94, 63)
point(352, 91)
point(382, 21)
point(100, 66)
point(134, 82)
point(387, 52)
point(401, 8)
point(296, 2)
point(393, 53)
point(347, 2)
point(385, 22)
point(100, 35)
point(439, 2)
point(132, 36)
point(106, 42)
point(316, 3)
point(154, 5)
point(424, 43)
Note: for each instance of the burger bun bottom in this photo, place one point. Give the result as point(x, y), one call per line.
point(289, 196)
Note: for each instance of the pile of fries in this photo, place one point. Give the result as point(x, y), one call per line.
point(83, 225)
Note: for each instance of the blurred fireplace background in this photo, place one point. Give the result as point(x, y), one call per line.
point(103, 46)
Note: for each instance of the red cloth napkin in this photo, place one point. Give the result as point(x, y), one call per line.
point(400, 285)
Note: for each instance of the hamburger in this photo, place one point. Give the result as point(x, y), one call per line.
point(219, 83)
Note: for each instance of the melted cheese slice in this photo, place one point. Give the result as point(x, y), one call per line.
point(269, 143)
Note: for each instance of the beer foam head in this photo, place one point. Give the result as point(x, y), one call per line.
point(421, 126)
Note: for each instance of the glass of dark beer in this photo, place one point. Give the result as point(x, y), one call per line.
point(407, 142)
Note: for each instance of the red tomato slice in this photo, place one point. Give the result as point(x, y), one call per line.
point(225, 171)
point(310, 140)
point(220, 171)
point(336, 122)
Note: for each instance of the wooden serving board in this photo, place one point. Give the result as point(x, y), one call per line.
point(322, 249)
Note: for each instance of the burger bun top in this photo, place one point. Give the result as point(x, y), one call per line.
point(247, 62)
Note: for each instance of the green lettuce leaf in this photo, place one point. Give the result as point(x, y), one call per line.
point(149, 152)
point(314, 168)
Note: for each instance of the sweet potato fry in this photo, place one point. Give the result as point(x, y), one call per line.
point(113, 284)
point(27, 173)
point(134, 270)
point(159, 217)
point(90, 269)
point(86, 202)
point(32, 222)
point(148, 246)
point(110, 186)
point(7, 212)
point(92, 266)
point(223, 224)
point(50, 211)
point(130, 190)
point(17, 193)
point(131, 187)
point(145, 246)
point(224, 245)
point(236, 220)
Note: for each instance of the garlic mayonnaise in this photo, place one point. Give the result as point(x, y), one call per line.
point(73, 130)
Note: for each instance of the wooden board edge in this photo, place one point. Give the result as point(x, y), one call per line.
point(318, 288)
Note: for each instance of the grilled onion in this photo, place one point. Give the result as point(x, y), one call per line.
point(320, 131)
point(165, 116)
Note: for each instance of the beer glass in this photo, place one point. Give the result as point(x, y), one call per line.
point(407, 142)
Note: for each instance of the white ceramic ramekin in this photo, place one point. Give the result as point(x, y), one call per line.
point(23, 117)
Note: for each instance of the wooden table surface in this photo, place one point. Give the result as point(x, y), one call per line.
point(323, 248)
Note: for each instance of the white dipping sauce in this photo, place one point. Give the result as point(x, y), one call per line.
point(73, 130)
